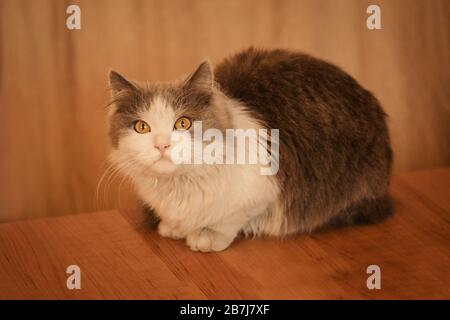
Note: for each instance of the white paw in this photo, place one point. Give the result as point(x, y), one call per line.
point(207, 240)
point(168, 231)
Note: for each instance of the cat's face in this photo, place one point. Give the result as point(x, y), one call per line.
point(143, 120)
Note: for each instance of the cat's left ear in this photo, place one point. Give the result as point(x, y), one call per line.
point(202, 77)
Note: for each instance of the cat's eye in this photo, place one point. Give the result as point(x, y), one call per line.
point(183, 123)
point(141, 127)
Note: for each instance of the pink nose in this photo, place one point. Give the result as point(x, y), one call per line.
point(161, 147)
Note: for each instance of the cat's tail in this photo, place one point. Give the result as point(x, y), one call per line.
point(367, 211)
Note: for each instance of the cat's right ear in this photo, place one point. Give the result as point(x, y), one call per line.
point(118, 83)
point(201, 78)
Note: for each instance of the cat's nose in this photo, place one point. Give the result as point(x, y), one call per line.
point(162, 147)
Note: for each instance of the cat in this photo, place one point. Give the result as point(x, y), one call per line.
point(334, 148)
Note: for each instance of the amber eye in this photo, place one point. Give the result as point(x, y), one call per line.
point(183, 123)
point(141, 127)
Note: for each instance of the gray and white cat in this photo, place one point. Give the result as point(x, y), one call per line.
point(334, 150)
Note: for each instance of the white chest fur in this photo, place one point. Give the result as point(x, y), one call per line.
point(208, 196)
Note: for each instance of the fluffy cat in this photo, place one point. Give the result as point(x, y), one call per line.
point(334, 150)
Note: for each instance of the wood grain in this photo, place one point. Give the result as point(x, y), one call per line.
point(120, 258)
point(53, 81)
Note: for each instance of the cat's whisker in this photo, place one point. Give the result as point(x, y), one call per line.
point(108, 181)
point(99, 184)
point(126, 179)
point(113, 174)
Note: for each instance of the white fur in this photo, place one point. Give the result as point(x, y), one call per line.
point(206, 204)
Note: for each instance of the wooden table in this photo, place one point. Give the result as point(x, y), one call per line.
point(119, 258)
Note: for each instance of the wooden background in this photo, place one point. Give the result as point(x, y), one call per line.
point(53, 91)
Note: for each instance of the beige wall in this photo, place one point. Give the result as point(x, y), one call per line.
point(53, 81)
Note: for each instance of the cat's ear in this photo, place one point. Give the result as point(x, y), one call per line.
point(202, 77)
point(118, 83)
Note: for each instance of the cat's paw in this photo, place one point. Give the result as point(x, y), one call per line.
point(168, 231)
point(207, 240)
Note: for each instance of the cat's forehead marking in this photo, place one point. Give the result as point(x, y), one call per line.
point(160, 115)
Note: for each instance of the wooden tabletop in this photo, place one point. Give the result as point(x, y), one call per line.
point(119, 258)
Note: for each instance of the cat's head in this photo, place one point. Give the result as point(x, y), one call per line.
point(143, 118)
